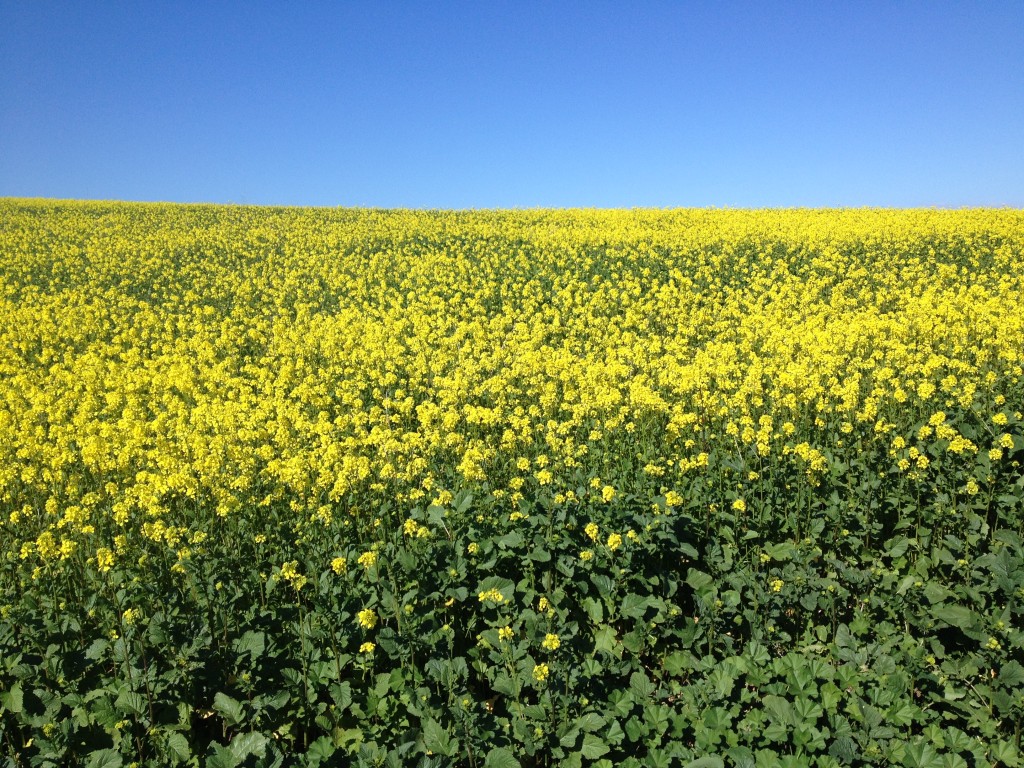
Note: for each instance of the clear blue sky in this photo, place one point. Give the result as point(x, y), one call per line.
point(515, 104)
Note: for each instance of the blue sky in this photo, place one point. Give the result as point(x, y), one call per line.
point(515, 104)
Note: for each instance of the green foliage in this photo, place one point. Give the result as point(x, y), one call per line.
point(859, 615)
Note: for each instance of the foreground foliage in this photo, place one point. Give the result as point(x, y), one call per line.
point(330, 487)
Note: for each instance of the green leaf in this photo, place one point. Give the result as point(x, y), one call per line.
point(499, 757)
point(177, 746)
point(222, 757)
point(708, 761)
point(130, 702)
point(246, 744)
point(96, 649)
point(593, 609)
point(540, 555)
point(954, 615)
point(921, 754)
point(320, 751)
point(437, 739)
point(1006, 753)
point(593, 747)
point(228, 708)
point(105, 758)
point(1011, 674)
point(784, 550)
point(698, 580)
point(742, 757)
point(511, 540)
point(780, 709)
point(504, 684)
point(634, 606)
point(13, 700)
point(641, 685)
point(590, 722)
point(603, 582)
point(606, 640)
point(253, 643)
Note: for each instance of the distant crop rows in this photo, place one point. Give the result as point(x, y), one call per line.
point(332, 487)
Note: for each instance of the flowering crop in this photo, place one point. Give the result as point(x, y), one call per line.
point(300, 477)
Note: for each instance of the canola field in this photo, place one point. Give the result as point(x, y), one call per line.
point(510, 488)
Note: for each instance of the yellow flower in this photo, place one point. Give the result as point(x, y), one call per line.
point(367, 648)
point(739, 505)
point(591, 531)
point(776, 585)
point(472, 547)
point(505, 633)
point(551, 642)
point(367, 618)
point(338, 565)
point(491, 596)
point(614, 542)
point(131, 616)
point(607, 493)
point(586, 554)
point(104, 559)
point(541, 672)
point(368, 559)
point(673, 499)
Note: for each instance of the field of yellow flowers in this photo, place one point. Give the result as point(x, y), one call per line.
point(287, 486)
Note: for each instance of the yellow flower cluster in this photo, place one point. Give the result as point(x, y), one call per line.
point(166, 368)
point(290, 573)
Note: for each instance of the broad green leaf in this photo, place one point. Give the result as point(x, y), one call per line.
point(13, 700)
point(130, 702)
point(594, 609)
point(921, 754)
point(253, 643)
point(593, 747)
point(780, 709)
point(96, 649)
point(698, 580)
point(1006, 753)
point(708, 761)
point(177, 746)
point(634, 606)
point(499, 757)
point(590, 722)
point(246, 744)
point(641, 685)
point(437, 739)
point(606, 640)
point(222, 757)
point(228, 708)
point(320, 751)
point(105, 758)
point(954, 615)
point(1011, 674)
